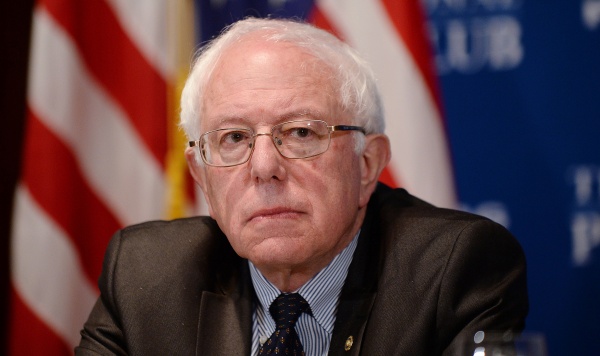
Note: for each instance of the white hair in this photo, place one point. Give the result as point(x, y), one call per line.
point(356, 84)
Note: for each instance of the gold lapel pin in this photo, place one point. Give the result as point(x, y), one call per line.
point(349, 342)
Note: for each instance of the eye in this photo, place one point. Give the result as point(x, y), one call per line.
point(301, 132)
point(233, 137)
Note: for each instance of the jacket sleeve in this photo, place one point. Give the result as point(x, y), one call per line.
point(484, 286)
point(102, 333)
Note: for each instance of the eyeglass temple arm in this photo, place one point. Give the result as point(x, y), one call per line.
point(347, 128)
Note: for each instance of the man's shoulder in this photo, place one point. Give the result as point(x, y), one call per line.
point(162, 254)
point(198, 227)
point(194, 237)
point(397, 203)
point(399, 215)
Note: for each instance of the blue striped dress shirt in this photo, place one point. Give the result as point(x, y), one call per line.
point(322, 293)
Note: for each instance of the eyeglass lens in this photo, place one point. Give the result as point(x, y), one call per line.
point(293, 139)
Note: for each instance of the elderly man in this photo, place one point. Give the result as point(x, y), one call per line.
point(304, 252)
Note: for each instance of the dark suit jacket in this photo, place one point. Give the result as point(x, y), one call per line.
point(421, 278)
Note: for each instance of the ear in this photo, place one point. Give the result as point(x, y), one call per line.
point(374, 159)
point(198, 172)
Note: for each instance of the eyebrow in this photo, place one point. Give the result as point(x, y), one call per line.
point(240, 121)
point(301, 114)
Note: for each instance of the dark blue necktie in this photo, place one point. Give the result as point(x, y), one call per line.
point(285, 310)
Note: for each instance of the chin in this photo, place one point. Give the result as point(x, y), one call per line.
point(282, 253)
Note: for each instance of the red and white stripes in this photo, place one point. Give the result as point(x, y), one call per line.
point(391, 35)
point(94, 158)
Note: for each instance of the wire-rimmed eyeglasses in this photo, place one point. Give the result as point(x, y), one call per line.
point(293, 139)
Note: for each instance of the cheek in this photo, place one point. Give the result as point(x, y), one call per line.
point(224, 195)
point(335, 187)
point(344, 168)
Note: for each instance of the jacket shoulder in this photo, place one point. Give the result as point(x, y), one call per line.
point(169, 239)
point(172, 230)
point(399, 205)
point(160, 253)
point(445, 271)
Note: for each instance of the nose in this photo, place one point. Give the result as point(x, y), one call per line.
point(266, 162)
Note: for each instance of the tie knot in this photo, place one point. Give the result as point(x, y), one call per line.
point(286, 309)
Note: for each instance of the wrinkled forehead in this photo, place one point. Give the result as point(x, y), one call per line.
point(255, 44)
point(269, 72)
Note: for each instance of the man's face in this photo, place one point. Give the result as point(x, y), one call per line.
point(280, 213)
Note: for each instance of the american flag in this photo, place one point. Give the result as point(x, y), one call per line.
point(392, 36)
point(101, 148)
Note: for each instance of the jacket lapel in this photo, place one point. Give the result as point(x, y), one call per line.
point(225, 314)
point(350, 324)
point(358, 293)
point(224, 326)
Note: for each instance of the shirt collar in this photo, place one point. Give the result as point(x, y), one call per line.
point(322, 292)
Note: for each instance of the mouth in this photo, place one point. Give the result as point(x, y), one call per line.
point(274, 213)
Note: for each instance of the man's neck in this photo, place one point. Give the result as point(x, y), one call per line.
point(289, 281)
point(291, 278)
